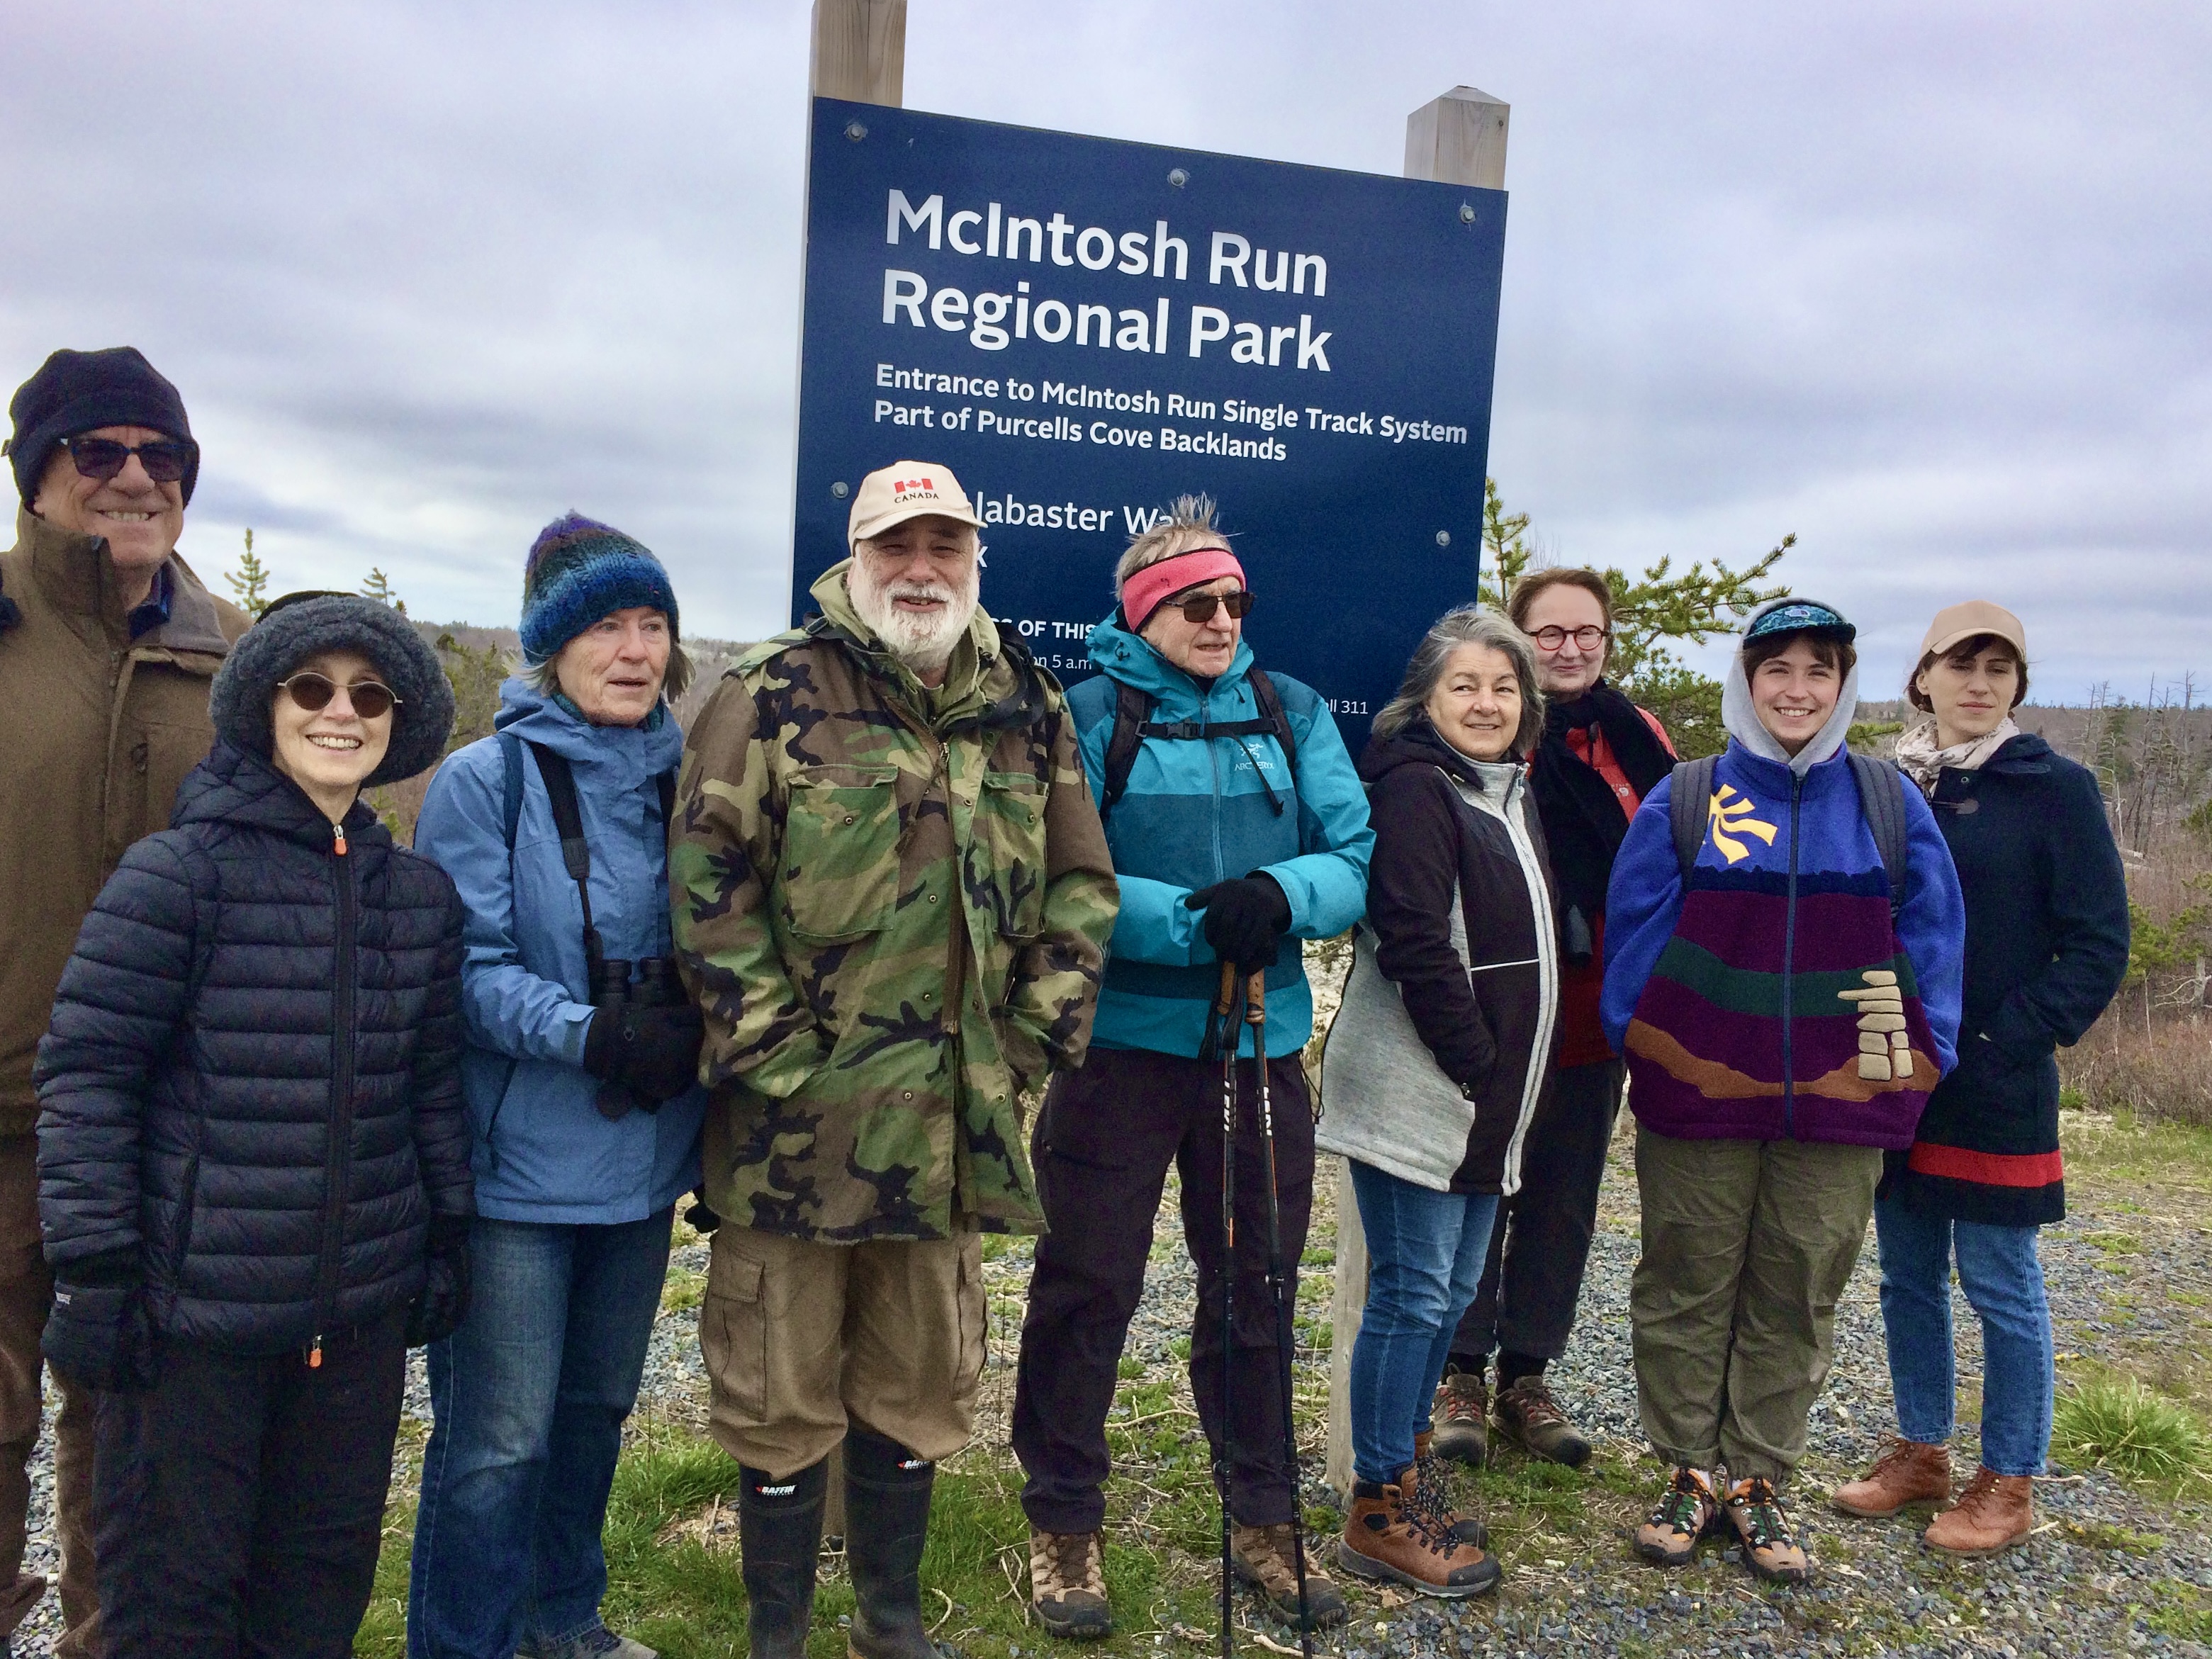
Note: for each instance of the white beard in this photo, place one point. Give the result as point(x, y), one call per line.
point(924, 642)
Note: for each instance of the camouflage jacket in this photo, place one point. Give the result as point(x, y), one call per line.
point(892, 905)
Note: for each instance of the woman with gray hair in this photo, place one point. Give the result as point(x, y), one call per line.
point(1437, 1062)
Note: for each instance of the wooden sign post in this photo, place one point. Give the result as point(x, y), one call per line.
point(1456, 139)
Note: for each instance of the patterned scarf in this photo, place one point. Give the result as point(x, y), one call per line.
point(1924, 763)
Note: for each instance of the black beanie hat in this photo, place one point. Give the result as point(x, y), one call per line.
point(78, 391)
point(303, 625)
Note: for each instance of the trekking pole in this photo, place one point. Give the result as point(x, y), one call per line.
point(1255, 1015)
point(1224, 1025)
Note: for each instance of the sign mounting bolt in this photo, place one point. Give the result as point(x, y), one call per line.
point(841, 489)
point(1443, 538)
point(1467, 213)
point(1177, 176)
point(855, 131)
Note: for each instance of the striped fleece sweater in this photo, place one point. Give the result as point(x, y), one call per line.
point(1770, 996)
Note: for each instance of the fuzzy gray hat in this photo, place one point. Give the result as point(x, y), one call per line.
point(303, 625)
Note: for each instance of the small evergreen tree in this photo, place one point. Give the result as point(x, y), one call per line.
point(378, 587)
point(250, 581)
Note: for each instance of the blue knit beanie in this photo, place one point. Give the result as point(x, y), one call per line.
point(579, 570)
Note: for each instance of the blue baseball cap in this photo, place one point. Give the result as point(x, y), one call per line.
point(1800, 616)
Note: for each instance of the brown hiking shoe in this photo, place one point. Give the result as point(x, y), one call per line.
point(1434, 1486)
point(1904, 1471)
point(1068, 1584)
point(1669, 1537)
point(1755, 1509)
point(1994, 1513)
point(1526, 1412)
point(1263, 1556)
point(1389, 1537)
point(1462, 1411)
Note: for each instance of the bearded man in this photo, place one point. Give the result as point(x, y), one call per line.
point(892, 898)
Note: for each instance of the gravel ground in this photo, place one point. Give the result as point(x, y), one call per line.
point(2113, 1569)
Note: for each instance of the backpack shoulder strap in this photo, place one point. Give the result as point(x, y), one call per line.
point(568, 819)
point(1270, 703)
point(1689, 805)
point(664, 787)
point(1882, 797)
point(1132, 708)
point(510, 760)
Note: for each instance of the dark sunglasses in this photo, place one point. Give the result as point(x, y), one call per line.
point(313, 692)
point(165, 460)
point(1199, 607)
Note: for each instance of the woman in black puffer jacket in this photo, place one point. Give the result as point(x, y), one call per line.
point(253, 1162)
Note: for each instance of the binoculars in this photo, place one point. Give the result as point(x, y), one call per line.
point(650, 983)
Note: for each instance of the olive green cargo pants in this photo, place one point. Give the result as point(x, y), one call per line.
point(1747, 1244)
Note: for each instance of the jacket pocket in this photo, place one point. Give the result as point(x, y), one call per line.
point(839, 877)
point(1008, 851)
point(733, 1336)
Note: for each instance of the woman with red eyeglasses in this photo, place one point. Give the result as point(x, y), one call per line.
point(252, 1154)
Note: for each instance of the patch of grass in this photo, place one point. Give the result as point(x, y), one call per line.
point(2115, 1243)
point(2102, 1535)
point(2118, 1423)
point(682, 1288)
point(2183, 1615)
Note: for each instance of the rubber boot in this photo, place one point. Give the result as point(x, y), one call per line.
point(780, 1536)
point(887, 1492)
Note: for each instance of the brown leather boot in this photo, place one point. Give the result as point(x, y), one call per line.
point(1994, 1513)
point(1463, 1418)
point(1526, 1412)
point(1068, 1584)
point(1904, 1471)
point(1264, 1558)
point(1428, 1469)
point(1388, 1536)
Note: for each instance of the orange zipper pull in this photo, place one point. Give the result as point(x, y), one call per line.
point(338, 833)
point(315, 1355)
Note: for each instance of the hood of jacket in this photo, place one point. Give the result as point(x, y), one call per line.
point(1741, 720)
point(235, 787)
point(631, 753)
point(1417, 743)
point(1130, 659)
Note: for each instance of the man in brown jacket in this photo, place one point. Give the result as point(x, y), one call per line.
point(107, 647)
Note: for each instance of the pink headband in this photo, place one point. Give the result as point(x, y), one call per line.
point(1150, 588)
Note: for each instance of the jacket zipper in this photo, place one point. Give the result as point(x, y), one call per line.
point(1789, 969)
point(338, 1161)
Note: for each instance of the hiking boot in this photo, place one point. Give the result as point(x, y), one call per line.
point(1994, 1513)
point(1068, 1584)
point(1462, 1411)
point(596, 1643)
point(1904, 1471)
point(1389, 1537)
point(1755, 1509)
point(1526, 1412)
point(1435, 1487)
point(1263, 1556)
point(1683, 1516)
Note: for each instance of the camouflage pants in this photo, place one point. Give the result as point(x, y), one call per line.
point(801, 1339)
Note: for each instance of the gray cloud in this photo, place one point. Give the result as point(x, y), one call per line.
point(1925, 286)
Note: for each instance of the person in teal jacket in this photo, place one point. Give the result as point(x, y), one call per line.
point(1232, 845)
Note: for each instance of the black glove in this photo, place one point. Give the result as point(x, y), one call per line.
point(99, 1334)
point(648, 1056)
point(439, 1306)
point(1245, 920)
point(699, 1218)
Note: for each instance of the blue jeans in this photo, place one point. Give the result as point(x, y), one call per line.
point(2003, 1280)
point(529, 1397)
point(1425, 1251)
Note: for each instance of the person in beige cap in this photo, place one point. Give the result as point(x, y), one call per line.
point(891, 896)
point(2046, 947)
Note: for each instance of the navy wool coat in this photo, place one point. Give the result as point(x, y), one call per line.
point(252, 1076)
point(2047, 949)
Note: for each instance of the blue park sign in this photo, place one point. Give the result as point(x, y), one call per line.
point(1083, 329)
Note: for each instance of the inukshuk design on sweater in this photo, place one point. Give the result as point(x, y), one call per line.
point(1759, 1024)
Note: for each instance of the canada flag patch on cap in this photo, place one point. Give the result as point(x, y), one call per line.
point(901, 488)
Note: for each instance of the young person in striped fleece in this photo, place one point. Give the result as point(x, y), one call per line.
point(1749, 998)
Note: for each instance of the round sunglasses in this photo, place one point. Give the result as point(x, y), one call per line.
point(165, 461)
point(314, 692)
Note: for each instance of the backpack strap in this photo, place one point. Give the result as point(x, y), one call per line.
point(1132, 709)
point(1882, 797)
point(510, 759)
point(664, 787)
point(1271, 710)
point(568, 819)
point(1689, 808)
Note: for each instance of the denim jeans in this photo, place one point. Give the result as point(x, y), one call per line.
point(529, 1397)
point(2003, 1280)
point(1425, 1251)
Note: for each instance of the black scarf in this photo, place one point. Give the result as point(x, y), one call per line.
point(1584, 821)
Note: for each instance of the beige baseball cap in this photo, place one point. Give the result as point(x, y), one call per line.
point(906, 489)
point(1958, 622)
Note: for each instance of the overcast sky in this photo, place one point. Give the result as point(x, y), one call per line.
point(1927, 285)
